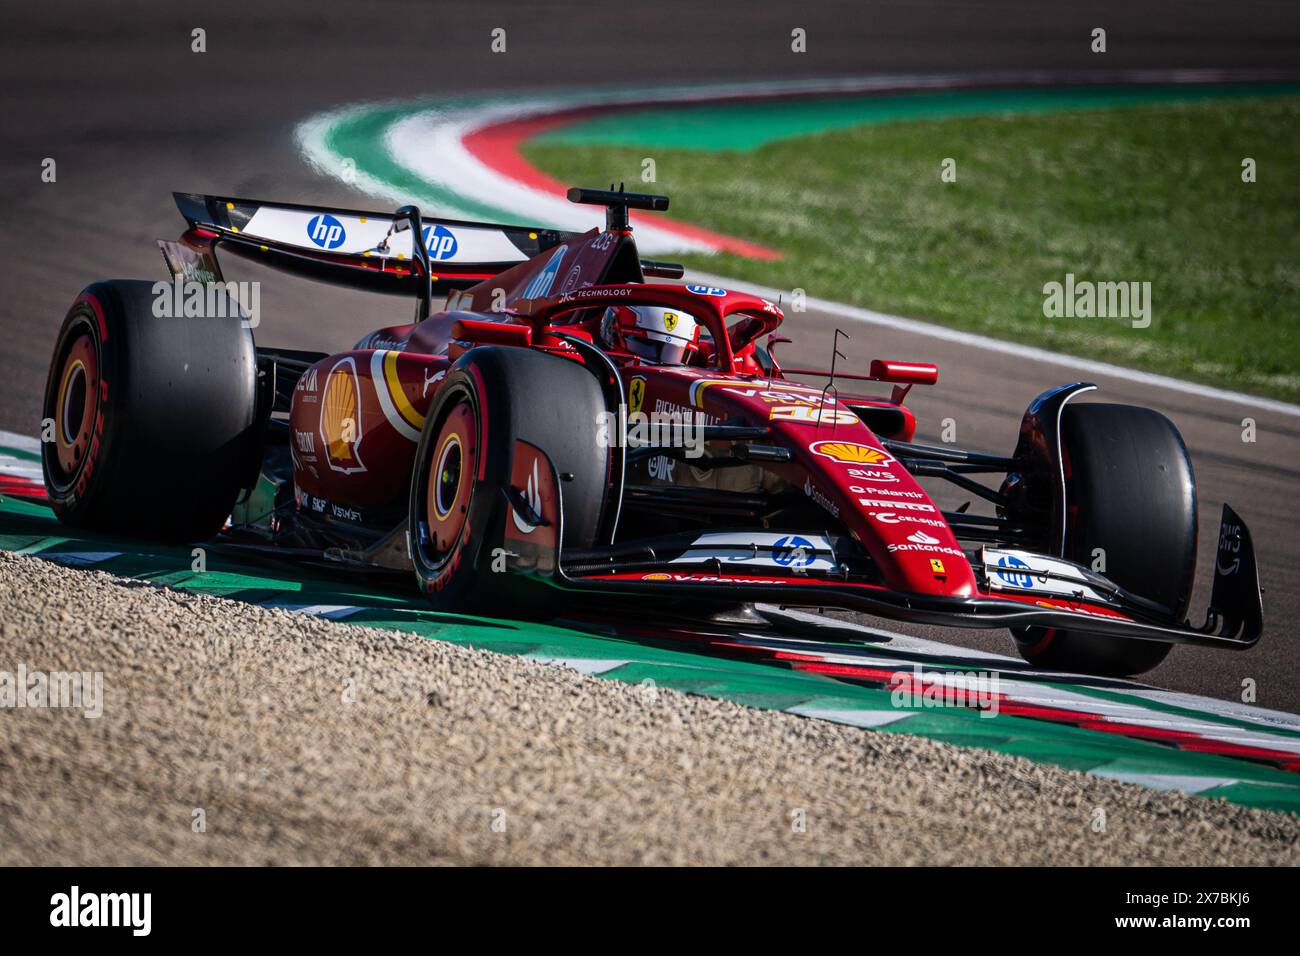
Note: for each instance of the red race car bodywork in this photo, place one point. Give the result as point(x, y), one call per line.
point(723, 479)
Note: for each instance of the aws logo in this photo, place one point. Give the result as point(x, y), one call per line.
point(340, 417)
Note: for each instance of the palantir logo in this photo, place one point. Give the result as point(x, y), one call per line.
point(440, 241)
point(326, 231)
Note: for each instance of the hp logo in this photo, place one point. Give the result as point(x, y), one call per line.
point(793, 551)
point(326, 231)
point(1023, 581)
point(440, 242)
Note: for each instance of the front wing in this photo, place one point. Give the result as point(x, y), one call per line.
point(1079, 601)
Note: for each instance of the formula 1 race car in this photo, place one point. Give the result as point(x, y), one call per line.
point(564, 429)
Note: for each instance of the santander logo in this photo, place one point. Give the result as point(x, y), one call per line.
point(922, 538)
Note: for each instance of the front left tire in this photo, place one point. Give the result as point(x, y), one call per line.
point(493, 398)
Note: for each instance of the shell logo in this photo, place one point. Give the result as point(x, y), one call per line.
point(849, 453)
point(340, 417)
point(656, 576)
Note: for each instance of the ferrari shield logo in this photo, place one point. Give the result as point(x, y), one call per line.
point(340, 417)
point(670, 321)
point(636, 394)
point(936, 566)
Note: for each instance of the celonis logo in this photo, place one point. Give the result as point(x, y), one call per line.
point(340, 417)
point(849, 453)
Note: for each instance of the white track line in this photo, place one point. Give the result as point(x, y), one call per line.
point(1165, 781)
point(20, 442)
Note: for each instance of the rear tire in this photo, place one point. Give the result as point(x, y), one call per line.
point(1130, 492)
point(153, 418)
point(456, 518)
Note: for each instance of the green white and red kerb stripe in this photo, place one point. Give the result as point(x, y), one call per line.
point(20, 466)
point(460, 157)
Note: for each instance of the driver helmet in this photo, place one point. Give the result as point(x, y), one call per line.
point(664, 336)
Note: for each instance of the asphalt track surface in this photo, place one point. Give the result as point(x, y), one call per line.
point(115, 95)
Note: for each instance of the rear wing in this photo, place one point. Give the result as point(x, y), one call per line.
point(371, 251)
